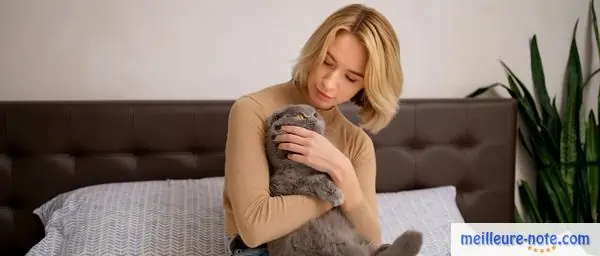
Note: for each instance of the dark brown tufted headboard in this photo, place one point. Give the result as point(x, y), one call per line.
point(47, 148)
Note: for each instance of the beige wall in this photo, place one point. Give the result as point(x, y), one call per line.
point(179, 49)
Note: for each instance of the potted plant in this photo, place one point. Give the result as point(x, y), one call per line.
point(564, 148)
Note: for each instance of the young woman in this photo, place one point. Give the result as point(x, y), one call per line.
point(352, 56)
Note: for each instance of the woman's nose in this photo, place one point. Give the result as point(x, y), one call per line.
point(330, 82)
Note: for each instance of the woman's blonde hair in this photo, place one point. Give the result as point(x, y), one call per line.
point(383, 78)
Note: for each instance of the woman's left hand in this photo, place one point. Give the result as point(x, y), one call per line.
point(314, 150)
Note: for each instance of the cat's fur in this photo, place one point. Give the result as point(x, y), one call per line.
point(331, 234)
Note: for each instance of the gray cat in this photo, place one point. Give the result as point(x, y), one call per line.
point(331, 234)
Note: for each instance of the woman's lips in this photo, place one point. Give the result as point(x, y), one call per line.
point(323, 95)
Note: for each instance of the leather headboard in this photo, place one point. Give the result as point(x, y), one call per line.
point(47, 148)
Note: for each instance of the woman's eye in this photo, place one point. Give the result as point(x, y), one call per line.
point(351, 80)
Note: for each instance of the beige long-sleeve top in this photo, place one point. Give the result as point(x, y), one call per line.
point(249, 209)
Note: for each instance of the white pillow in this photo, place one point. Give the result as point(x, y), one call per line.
point(430, 211)
point(170, 217)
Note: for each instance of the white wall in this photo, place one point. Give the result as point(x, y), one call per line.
point(178, 49)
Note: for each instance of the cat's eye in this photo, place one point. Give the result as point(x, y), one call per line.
point(300, 116)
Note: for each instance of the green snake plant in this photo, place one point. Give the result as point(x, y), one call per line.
point(563, 141)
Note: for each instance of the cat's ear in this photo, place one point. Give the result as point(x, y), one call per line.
point(274, 116)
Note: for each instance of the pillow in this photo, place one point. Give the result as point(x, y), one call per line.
point(430, 211)
point(172, 217)
point(185, 217)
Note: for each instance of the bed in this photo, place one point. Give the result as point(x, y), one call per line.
point(143, 177)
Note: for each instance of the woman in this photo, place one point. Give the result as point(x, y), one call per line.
point(352, 56)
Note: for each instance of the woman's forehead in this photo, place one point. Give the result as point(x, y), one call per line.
point(348, 52)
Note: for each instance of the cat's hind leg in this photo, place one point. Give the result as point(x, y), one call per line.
point(407, 244)
point(352, 249)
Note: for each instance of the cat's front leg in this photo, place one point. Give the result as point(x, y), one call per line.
point(284, 182)
point(322, 186)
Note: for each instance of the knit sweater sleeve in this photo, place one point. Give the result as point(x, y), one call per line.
point(364, 216)
point(259, 217)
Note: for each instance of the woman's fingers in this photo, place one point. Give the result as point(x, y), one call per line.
point(291, 138)
point(298, 149)
point(300, 158)
point(303, 132)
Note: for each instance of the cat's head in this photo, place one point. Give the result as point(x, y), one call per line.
point(296, 115)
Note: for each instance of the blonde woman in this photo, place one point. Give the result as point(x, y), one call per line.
point(352, 56)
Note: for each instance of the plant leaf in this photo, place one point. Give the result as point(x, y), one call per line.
point(597, 161)
point(595, 26)
point(521, 138)
point(528, 99)
point(531, 118)
point(554, 124)
point(483, 89)
point(592, 152)
point(528, 202)
point(587, 81)
point(569, 151)
point(518, 218)
point(539, 82)
point(551, 185)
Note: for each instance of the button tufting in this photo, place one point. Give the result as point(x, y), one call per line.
point(416, 143)
point(465, 141)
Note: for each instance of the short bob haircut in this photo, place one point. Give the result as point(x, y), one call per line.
point(383, 80)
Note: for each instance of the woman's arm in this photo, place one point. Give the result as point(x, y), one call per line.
point(354, 176)
point(259, 217)
point(359, 187)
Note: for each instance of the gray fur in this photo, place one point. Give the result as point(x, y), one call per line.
point(331, 234)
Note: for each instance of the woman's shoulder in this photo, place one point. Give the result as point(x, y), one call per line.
point(275, 94)
point(263, 101)
point(354, 137)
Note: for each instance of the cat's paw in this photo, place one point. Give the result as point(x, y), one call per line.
point(335, 197)
point(325, 189)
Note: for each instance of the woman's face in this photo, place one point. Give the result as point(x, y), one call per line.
point(340, 76)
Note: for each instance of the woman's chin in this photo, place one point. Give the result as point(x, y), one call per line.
point(320, 104)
